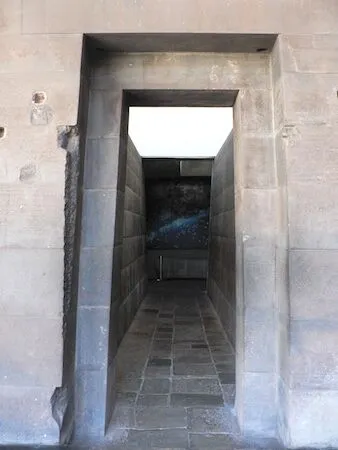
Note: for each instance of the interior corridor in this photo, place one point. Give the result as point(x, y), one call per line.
point(176, 374)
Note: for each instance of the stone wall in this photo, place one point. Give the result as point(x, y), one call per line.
point(293, 175)
point(32, 178)
point(257, 210)
point(305, 91)
point(73, 140)
point(177, 264)
point(241, 80)
point(222, 244)
point(133, 274)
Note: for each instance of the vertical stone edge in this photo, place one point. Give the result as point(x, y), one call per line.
point(282, 245)
point(256, 234)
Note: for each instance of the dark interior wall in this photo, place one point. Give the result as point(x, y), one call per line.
point(222, 254)
point(178, 264)
point(133, 273)
point(177, 226)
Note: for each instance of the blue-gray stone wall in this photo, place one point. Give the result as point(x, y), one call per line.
point(134, 273)
point(222, 255)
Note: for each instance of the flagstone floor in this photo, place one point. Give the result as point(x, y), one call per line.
point(175, 377)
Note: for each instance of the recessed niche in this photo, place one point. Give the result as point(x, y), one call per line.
point(2, 132)
point(39, 98)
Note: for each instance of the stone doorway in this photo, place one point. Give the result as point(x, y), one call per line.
point(118, 81)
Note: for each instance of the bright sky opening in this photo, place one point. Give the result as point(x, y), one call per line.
point(179, 132)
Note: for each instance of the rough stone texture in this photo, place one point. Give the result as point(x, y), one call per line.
point(100, 254)
point(112, 277)
point(68, 139)
point(256, 239)
point(32, 220)
point(256, 205)
point(308, 359)
point(133, 275)
point(222, 247)
point(41, 46)
point(103, 194)
point(73, 140)
point(283, 16)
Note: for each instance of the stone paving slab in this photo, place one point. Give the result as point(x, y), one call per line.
point(185, 385)
point(161, 418)
point(179, 392)
point(175, 379)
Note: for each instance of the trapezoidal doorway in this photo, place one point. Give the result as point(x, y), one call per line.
point(117, 83)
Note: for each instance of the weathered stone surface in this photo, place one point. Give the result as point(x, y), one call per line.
point(31, 360)
point(177, 438)
point(310, 153)
point(33, 216)
point(101, 164)
point(306, 92)
point(221, 286)
point(24, 420)
point(196, 168)
point(310, 53)
point(259, 212)
point(51, 53)
point(40, 294)
point(161, 417)
point(259, 275)
point(313, 284)
point(39, 150)
point(69, 138)
point(40, 53)
point(313, 215)
point(313, 362)
point(256, 405)
point(212, 440)
point(94, 282)
point(282, 16)
point(98, 212)
point(133, 269)
point(307, 407)
point(90, 403)
point(16, 93)
point(27, 173)
point(41, 115)
point(259, 333)
point(255, 108)
point(196, 386)
point(104, 114)
point(212, 420)
point(258, 160)
point(11, 17)
point(92, 335)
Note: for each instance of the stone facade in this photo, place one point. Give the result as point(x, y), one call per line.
point(285, 105)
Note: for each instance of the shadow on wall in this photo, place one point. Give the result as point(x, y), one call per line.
point(222, 248)
point(133, 274)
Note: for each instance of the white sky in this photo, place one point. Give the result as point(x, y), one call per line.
point(179, 132)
